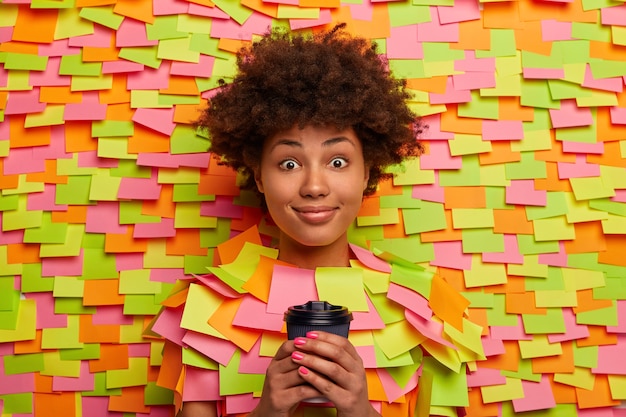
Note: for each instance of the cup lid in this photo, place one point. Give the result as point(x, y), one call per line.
point(317, 313)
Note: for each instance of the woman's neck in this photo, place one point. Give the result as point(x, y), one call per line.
point(336, 254)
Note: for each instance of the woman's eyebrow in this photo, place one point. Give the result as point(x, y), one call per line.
point(286, 142)
point(338, 139)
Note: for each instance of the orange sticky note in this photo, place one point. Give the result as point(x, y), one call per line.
point(137, 9)
point(48, 405)
point(259, 283)
point(188, 113)
point(370, 207)
point(74, 215)
point(552, 182)
point(100, 333)
point(99, 54)
point(118, 93)
point(607, 131)
point(222, 320)
point(529, 37)
point(450, 122)
point(472, 36)
point(229, 250)
point(586, 302)
point(509, 108)
point(163, 206)
point(21, 137)
point(145, 140)
point(589, 238)
point(124, 243)
point(435, 84)
point(42, 32)
point(501, 153)
point(522, 303)
point(597, 336)
point(78, 137)
point(59, 95)
point(615, 250)
point(171, 366)
point(131, 401)
point(182, 86)
point(28, 346)
point(375, 389)
point(185, 242)
point(111, 357)
point(102, 292)
point(465, 197)
point(447, 303)
point(563, 363)
point(268, 9)
point(599, 396)
point(49, 176)
point(23, 253)
point(512, 221)
point(120, 111)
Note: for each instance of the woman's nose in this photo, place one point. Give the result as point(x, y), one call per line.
point(314, 183)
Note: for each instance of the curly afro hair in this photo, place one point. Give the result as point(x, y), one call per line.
point(330, 78)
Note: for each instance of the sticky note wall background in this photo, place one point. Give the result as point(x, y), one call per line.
point(107, 195)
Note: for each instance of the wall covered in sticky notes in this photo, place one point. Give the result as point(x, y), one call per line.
point(107, 195)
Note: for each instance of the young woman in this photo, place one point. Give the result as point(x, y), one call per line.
point(311, 123)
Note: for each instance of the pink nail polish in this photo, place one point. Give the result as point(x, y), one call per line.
point(299, 341)
point(303, 370)
point(312, 335)
point(297, 356)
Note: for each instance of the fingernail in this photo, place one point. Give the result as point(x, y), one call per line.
point(303, 370)
point(312, 335)
point(297, 356)
point(299, 341)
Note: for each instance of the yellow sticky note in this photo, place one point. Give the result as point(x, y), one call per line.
point(539, 347)
point(410, 172)
point(530, 268)
point(588, 188)
point(71, 246)
point(341, 286)
point(104, 187)
point(187, 215)
point(553, 228)
point(615, 225)
point(617, 384)
point(201, 304)
point(156, 256)
point(26, 323)
point(582, 279)
point(510, 390)
point(135, 375)
point(580, 378)
point(484, 274)
point(555, 298)
point(62, 337)
point(137, 281)
point(467, 144)
point(397, 338)
point(55, 366)
point(463, 218)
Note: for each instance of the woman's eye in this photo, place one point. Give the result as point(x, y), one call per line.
point(289, 164)
point(338, 162)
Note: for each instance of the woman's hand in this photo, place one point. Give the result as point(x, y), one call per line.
point(331, 364)
point(284, 387)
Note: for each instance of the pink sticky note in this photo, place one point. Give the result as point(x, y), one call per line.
point(104, 218)
point(620, 196)
point(618, 115)
point(46, 317)
point(324, 18)
point(170, 7)
point(582, 147)
point(89, 109)
point(432, 131)
point(410, 299)
point(510, 332)
point(511, 254)
point(222, 207)
point(403, 44)
point(256, 24)
point(168, 325)
point(219, 350)
point(364, 320)
point(570, 115)
point(21, 161)
point(392, 390)
point(537, 396)
point(161, 120)
point(6, 33)
point(241, 403)
point(165, 228)
point(99, 38)
point(621, 314)
point(451, 95)
point(252, 313)
point(580, 169)
point(461, 11)
point(613, 15)
point(11, 237)
point(90, 159)
point(472, 64)
point(45, 200)
point(150, 78)
point(484, 377)
point(98, 407)
point(252, 363)
point(543, 73)
point(169, 275)
point(24, 102)
point(71, 266)
point(474, 80)
point(204, 67)
point(554, 30)
point(429, 192)
point(50, 76)
point(450, 255)
point(58, 48)
point(611, 358)
point(200, 10)
point(201, 384)
point(435, 31)
point(363, 11)
point(368, 356)
point(370, 260)
point(116, 67)
point(439, 157)
point(17, 383)
point(56, 148)
point(614, 84)
point(554, 259)
point(429, 328)
point(166, 160)
point(111, 315)
point(492, 346)
point(290, 286)
point(132, 32)
point(573, 330)
point(85, 382)
point(523, 192)
point(129, 261)
point(139, 188)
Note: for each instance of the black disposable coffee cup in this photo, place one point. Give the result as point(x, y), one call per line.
point(317, 315)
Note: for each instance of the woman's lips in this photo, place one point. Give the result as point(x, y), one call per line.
point(315, 214)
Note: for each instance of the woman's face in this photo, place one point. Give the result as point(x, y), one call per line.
point(313, 181)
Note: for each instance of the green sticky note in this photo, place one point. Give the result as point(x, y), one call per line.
point(484, 274)
point(103, 187)
point(527, 168)
point(232, 382)
point(341, 286)
point(8, 268)
point(156, 395)
point(555, 228)
point(535, 93)
point(86, 352)
point(98, 265)
point(397, 339)
point(383, 361)
point(156, 257)
point(407, 68)
point(449, 388)
point(467, 144)
point(112, 128)
point(72, 306)
point(114, 148)
point(600, 317)
point(53, 115)
point(184, 140)
point(468, 175)
point(32, 281)
point(70, 24)
point(100, 389)
point(74, 65)
point(126, 168)
point(164, 27)
point(407, 13)
point(146, 55)
point(134, 375)
point(199, 360)
point(205, 44)
point(47, 232)
point(551, 322)
point(23, 322)
point(133, 333)
point(198, 264)
point(556, 205)
point(178, 49)
point(386, 216)
point(189, 193)
point(9, 304)
point(137, 281)
point(210, 238)
point(479, 299)
point(62, 337)
point(25, 62)
point(534, 140)
point(553, 281)
point(141, 304)
point(102, 15)
point(412, 276)
point(75, 191)
point(529, 246)
point(481, 240)
point(585, 356)
point(23, 363)
point(581, 134)
point(22, 218)
point(530, 268)
point(187, 215)
point(404, 200)
point(471, 218)
point(562, 90)
point(480, 107)
point(429, 217)
point(235, 10)
point(130, 213)
point(591, 187)
point(497, 315)
point(17, 403)
point(389, 311)
point(410, 173)
point(147, 98)
point(410, 248)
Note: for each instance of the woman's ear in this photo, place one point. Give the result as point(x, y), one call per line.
point(366, 177)
point(258, 180)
